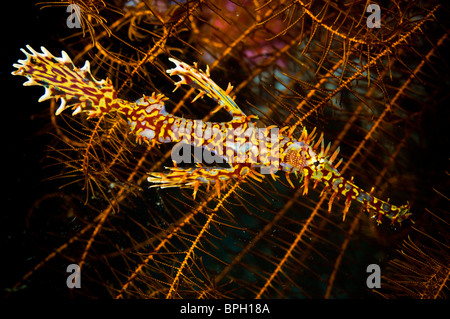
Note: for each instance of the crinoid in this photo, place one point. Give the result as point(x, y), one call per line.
point(374, 92)
point(421, 267)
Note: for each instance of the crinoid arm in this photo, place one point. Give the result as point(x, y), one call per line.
point(75, 87)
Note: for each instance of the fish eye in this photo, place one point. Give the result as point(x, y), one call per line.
point(316, 163)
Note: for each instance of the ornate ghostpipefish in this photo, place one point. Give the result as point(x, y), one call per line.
point(239, 142)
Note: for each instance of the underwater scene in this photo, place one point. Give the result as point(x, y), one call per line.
point(227, 150)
